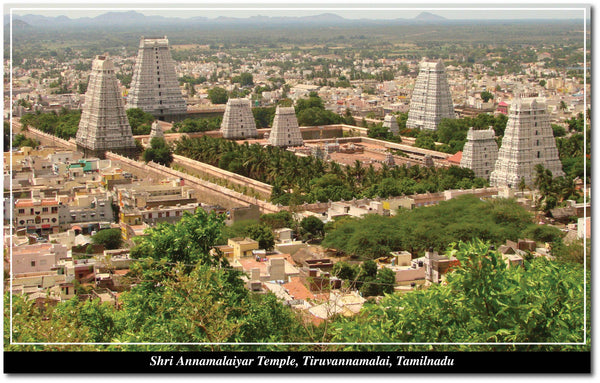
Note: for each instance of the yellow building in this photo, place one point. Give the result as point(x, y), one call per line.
point(131, 217)
point(242, 247)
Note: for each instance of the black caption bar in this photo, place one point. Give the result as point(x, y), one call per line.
point(298, 362)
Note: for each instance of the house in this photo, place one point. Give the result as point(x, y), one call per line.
point(242, 247)
point(277, 267)
point(436, 266)
point(37, 258)
point(502, 108)
point(38, 215)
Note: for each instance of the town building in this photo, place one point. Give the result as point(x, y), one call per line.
point(36, 258)
point(104, 125)
point(38, 215)
point(431, 98)
point(238, 120)
point(528, 141)
point(480, 152)
point(285, 131)
point(154, 85)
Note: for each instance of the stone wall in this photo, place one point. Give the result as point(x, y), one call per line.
point(208, 192)
point(48, 139)
point(262, 189)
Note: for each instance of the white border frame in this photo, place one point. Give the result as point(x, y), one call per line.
point(417, 8)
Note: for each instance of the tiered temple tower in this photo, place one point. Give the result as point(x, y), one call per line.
point(238, 120)
point(285, 131)
point(391, 123)
point(528, 141)
point(480, 152)
point(154, 86)
point(431, 99)
point(104, 125)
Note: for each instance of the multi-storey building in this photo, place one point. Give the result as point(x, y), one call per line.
point(38, 215)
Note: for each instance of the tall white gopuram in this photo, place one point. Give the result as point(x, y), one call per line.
point(391, 124)
point(154, 85)
point(480, 152)
point(528, 141)
point(238, 120)
point(285, 131)
point(104, 125)
point(431, 99)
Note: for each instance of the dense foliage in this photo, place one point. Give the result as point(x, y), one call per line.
point(218, 95)
point(463, 218)
point(63, 124)
point(109, 238)
point(297, 180)
point(311, 112)
point(140, 121)
point(20, 140)
point(452, 133)
point(159, 152)
point(366, 278)
point(483, 301)
point(190, 125)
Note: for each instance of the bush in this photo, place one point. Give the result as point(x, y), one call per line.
point(110, 238)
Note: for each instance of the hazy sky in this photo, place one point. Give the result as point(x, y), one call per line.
point(390, 9)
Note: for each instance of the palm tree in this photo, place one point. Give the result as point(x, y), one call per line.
point(563, 106)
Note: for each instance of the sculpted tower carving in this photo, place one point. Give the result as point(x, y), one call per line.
point(528, 141)
point(431, 99)
point(285, 131)
point(104, 125)
point(154, 85)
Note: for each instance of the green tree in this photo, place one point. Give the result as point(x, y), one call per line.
point(425, 141)
point(218, 95)
point(481, 301)
point(278, 220)
point(188, 241)
point(312, 225)
point(140, 121)
point(262, 234)
point(159, 152)
point(20, 140)
point(486, 96)
point(244, 79)
point(109, 238)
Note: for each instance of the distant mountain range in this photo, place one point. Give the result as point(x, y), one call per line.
point(135, 18)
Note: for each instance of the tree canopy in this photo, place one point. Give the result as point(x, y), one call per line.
point(109, 238)
point(159, 152)
point(462, 218)
point(482, 301)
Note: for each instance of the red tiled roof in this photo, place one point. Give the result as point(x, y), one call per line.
point(455, 158)
point(250, 263)
point(297, 289)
